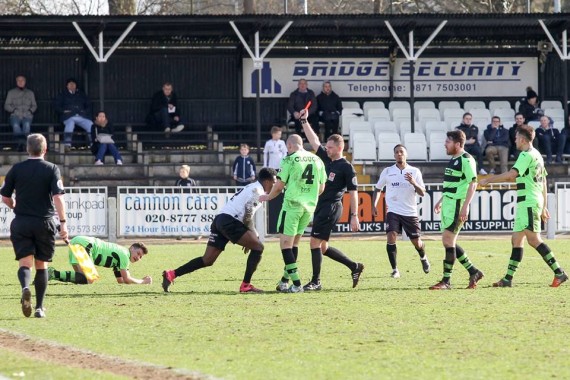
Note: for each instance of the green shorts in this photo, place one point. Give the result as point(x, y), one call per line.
point(450, 209)
point(527, 218)
point(293, 222)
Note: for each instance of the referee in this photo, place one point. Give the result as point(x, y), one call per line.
point(38, 187)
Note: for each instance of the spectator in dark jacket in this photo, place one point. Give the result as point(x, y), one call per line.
point(298, 100)
point(519, 120)
point(471, 140)
point(547, 138)
point(563, 142)
point(529, 106)
point(330, 109)
point(74, 108)
point(244, 168)
point(497, 138)
point(164, 112)
point(184, 180)
point(21, 104)
point(102, 137)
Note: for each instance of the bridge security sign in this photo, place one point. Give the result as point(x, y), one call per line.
point(367, 77)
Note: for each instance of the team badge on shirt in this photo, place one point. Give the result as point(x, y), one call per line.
point(331, 176)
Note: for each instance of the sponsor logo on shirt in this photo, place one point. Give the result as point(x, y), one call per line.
point(331, 176)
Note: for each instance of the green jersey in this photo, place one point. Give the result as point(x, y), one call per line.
point(530, 167)
point(108, 255)
point(459, 173)
point(303, 173)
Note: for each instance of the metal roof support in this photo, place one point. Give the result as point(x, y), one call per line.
point(258, 64)
point(564, 57)
point(101, 57)
point(412, 57)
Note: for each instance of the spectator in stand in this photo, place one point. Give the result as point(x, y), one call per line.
point(472, 143)
point(497, 138)
point(329, 108)
point(519, 120)
point(164, 113)
point(184, 180)
point(74, 108)
point(102, 137)
point(274, 150)
point(21, 104)
point(547, 138)
point(563, 143)
point(529, 106)
point(298, 100)
point(244, 168)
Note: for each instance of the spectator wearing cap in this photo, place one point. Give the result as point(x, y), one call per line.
point(74, 108)
point(529, 106)
point(547, 137)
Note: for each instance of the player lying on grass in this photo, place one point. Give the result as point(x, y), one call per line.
point(104, 254)
point(234, 223)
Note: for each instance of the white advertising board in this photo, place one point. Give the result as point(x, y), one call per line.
point(169, 211)
point(86, 212)
point(563, 206)
point(369, 77)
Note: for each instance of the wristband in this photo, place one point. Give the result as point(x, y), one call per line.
point(303, 121)
point(62, 221)
point(353, 214)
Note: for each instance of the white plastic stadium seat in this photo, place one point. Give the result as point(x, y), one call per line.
point(416, 145)
point(398, 104)
point(494, 104)
point(550, 104)
point(367, 106)
point(377, 114)
point(358, 127)
point(453, 113)
point(364, 147)
point(482, 125)
point(348, 115)
point(447, 104)
point(350, 104)
point(534, 124)
point(481, 113)
point(427, 114)
point(472, 104)
point(386, 143)
point(404, 126)
point(556, 114)
point(422, 105)
point(401, 113)
point(504, 113)
point(383, 127)
point(433, 126)
point(436, 143)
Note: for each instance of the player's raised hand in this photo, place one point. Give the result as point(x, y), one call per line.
point(147, 280)
point(410, 179)
point(437, 208)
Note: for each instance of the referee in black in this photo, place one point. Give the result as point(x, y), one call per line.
point(38, 187)
point(340, 177)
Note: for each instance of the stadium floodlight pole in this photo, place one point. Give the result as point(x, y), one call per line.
point(100, 57)
point(258, 65)
point(412, 57)
point(564, 57)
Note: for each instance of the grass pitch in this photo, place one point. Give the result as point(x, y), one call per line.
point(385, 328)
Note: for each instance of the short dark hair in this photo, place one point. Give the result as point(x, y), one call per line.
point(140, 245)
point(457, 136)
point(69, 80)
point(467, 114)
point(526, 131)
point(266, 174)
point(519, 113)
point(336, 138)
point(496, 117)
point(400, 145)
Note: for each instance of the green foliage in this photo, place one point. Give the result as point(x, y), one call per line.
point(384, 328)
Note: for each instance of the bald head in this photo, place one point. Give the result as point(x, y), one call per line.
point(294, 143)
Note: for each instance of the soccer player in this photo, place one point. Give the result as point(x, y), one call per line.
point(39, 195)
point(340, 177)
point(459, 185)
point(530, 176)
point(303, 177)
point(104, 254)
point(402, 182)
point(233, 223)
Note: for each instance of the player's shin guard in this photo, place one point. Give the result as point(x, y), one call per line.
point(549, 258)
point(252, 260)
point(290, 266)
point(464, 260)
point(70, 276)
point(514, 261)
point(392, 251)
point(317, 260)
point(40, 285)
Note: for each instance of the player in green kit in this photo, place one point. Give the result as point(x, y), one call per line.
point(104, 254)
point(303, 177)
point(459, 185)
point(530, 176)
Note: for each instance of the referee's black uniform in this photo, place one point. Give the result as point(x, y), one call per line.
point(33, 230)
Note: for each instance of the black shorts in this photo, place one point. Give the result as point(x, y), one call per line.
point(35, 236)
point(411, 224)
point(325, 218)
point(225, 228)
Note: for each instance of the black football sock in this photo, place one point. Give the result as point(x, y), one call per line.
point(24, 276)
point(549, 258)
point(317, 259)
point(252, 260)
point(190, 266)
point(448, 264)
point(70, 276)
point(336, 255)
point(464, 260)
point(285, 277)
point(515, 260)
point(291, 266)
point(40, 284)
point(392, 253)
point(421, 251)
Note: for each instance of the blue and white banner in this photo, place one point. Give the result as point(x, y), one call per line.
point(369, 77)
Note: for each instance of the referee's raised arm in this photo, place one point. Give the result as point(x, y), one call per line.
point(308, 129)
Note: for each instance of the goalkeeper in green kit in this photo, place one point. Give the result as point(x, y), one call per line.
point(104, 254)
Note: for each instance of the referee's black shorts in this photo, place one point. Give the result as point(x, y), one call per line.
point(326, 216)
point(411, 224)
point(225, 228)
point(35, 236)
